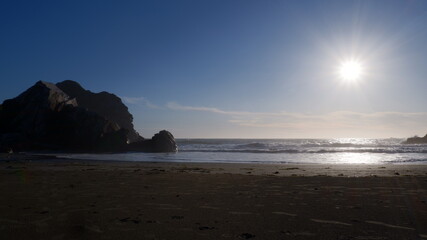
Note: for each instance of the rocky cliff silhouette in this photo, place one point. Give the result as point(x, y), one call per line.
point(66, 117)
point(105, 104)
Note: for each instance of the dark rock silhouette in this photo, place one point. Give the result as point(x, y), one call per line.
point(105, 104)
point(164, 142)
point(416, 140)
point(44, 117)
point(161, 142)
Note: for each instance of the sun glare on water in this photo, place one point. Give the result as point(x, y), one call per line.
point(350, 70)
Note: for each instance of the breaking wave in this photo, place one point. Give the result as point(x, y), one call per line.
point(295, 146)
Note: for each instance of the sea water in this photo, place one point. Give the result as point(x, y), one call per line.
point(291, 151)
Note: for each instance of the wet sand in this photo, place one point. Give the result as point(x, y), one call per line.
point(76, 199)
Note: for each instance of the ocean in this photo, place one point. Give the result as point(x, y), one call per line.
point(285, 151)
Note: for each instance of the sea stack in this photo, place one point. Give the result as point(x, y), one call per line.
point(66, 117)
point(416, 140)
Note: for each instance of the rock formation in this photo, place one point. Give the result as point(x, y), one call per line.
point(45, 117)
point(105, 104)
point(416, 140)
point(161, 142)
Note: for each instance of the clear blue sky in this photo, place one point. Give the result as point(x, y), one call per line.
point(242, 69)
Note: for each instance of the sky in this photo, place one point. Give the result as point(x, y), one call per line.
point(228, 68)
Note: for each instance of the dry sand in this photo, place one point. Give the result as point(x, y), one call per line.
point(74, 199)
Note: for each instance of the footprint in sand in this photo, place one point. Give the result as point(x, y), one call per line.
point(240, 213)
point(209, 207)
point(246, 235)
point(306, 234)
point(206, 228)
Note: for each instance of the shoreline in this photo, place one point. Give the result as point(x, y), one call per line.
point(259, 169)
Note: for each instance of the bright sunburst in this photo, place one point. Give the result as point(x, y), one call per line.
point(350, 70)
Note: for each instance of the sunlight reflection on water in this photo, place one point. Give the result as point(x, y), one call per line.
point(355, 158)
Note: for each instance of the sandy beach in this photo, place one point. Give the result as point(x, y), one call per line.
point(75, 199)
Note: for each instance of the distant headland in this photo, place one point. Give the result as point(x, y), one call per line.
point(416, 140)
point(67, 117)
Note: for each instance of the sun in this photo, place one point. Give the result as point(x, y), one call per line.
point(350, 70)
